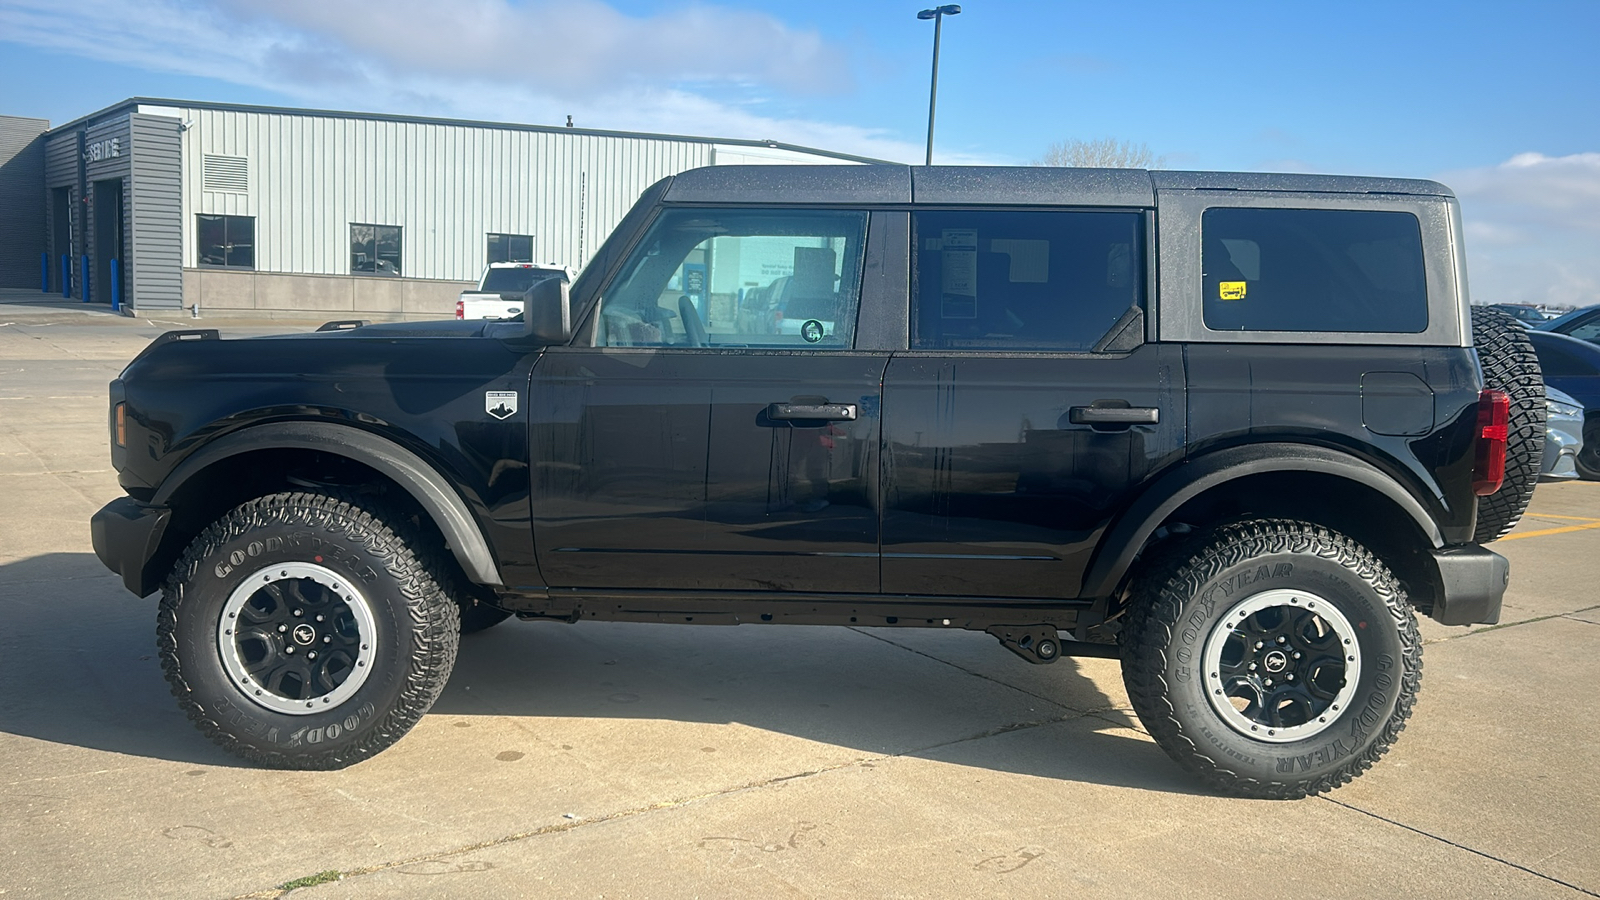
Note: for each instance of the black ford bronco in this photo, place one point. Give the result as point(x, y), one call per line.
point(1233, 429)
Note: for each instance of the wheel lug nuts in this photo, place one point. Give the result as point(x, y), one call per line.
point(1259, 645)
point(313, 655)
point(299, 612)
point(1291, 677)
point(1297, 654)
point(1281, 638)
point(1252, 667)
point(282, 628)
point(319, 618)
point(1268, 682)
point(288, 649)
point(327, 639)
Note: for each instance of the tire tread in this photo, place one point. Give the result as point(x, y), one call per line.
point(435, 620)
point(1181, 572)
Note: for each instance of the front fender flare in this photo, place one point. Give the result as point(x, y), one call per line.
point(405, 468)
point(1190, 479)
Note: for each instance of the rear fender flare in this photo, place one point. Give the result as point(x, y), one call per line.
point(1193, 478)
point(400, 465)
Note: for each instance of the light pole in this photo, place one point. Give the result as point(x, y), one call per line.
point(937, 14)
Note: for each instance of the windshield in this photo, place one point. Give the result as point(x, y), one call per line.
point(507, 281)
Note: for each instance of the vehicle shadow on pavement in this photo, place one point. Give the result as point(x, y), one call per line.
point(78, 666)
point(957, 697)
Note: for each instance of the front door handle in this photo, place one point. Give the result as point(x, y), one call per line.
point(1114, 415)
point(825, 412)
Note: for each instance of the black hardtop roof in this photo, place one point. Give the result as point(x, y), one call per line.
point(1037, 185)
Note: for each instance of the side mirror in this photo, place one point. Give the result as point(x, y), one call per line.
point(547, 311)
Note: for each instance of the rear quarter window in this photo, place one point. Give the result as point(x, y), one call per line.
point(1313, 270)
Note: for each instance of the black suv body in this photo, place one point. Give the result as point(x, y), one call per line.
point(1037, 402)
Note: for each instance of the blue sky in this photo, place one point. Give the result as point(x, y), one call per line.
point(1497, 100)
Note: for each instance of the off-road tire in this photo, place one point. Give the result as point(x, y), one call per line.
point(414, 627)
point(1188, 598)
point(479, 616)
point(1509, 364)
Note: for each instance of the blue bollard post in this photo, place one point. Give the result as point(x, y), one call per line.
point(44, 273)
point(85, 280)
point(66, 276)
point(116, 289)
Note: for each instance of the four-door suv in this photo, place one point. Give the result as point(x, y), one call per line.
point(1229, 427)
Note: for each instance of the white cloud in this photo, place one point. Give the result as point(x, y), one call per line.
point(1533, 228)
point(535, 62)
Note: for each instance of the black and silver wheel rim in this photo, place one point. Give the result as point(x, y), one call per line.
point(1281, 666)
point(297, 638)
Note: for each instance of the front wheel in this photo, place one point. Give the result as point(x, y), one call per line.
point(1272, 659)
point(301, 631)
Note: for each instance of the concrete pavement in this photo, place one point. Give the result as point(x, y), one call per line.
point(627, 760)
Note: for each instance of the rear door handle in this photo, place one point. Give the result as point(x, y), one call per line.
point(1114, 415)
point(827, 412)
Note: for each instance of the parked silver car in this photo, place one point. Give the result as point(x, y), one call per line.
point(1563, 435)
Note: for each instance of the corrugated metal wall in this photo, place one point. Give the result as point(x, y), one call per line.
point(155, 213)
point(61, 171)
point(22, 196)
point(446, 184)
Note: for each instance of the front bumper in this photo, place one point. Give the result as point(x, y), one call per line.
point(126, 535)
point(1472, 582)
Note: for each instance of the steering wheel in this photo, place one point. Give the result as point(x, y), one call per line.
point(694, 330)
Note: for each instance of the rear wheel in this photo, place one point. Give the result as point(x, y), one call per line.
point(1509, 365)
point(301, 631)
point(1272, 659)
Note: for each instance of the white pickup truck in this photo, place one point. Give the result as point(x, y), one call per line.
point(497, 295)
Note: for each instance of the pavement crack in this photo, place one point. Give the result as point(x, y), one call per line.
point(960, 668)
point(564, 827)
point(1502, 625)
point(675, 803)
point(1444, 840)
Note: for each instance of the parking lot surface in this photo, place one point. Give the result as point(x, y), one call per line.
point(623, 760)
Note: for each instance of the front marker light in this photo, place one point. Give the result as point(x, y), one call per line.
point(122, 425)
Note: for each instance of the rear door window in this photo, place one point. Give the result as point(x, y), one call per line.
point(1024, 280)
point(1317, 270)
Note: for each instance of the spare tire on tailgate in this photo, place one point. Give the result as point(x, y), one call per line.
point(1509, 365)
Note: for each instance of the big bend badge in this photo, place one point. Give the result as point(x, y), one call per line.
point(500, 404)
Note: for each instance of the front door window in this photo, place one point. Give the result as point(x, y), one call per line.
point(739, 278)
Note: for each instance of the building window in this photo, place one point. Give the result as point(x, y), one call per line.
point(226, 242)
point(510, 248)
point(375, 249)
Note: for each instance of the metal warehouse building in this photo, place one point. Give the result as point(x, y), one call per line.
point(157, 206)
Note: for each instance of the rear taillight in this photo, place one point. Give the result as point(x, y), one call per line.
point(1494, 426)
point(461, 309)
point(122, 425)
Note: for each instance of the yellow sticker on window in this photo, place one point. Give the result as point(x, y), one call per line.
point(1232, 290)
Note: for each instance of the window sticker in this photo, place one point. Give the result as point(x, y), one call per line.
point(1232, 290)
point(958, 273)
